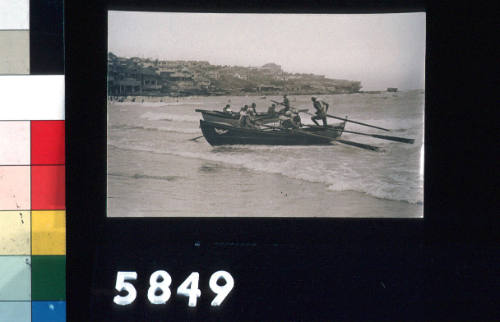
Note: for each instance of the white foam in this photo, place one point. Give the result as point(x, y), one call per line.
point(161, 128)
point(152, 116)
point(343, 178)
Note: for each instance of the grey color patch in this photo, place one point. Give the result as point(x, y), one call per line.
point(15, 52)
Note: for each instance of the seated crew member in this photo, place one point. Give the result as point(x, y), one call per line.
point(247, 118)
point(272, 110)
point(286, 104)
point(287, 121)
point(296, 119)
point(253, 109)
point(227, 109)
point(243, 116)
point(320, 112)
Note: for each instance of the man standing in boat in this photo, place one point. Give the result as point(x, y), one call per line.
point(321, 110)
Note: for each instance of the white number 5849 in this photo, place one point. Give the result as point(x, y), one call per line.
point(159, 287)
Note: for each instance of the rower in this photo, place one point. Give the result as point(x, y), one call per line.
point(246, 118)
point(286, 104)
point(227, 109)
point(296, 119)
point(288, 121)
point(272, 110)
point(321, 109)
point(253, 109)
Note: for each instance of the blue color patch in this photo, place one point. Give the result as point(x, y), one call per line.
point(47, 311)
point(15, 278)
point(15, 311)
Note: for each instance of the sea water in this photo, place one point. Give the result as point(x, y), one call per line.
point(154, 169)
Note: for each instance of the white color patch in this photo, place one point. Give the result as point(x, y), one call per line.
point(15, 143)
point(32, 97)
point(14, 14)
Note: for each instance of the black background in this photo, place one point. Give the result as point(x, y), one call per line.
point(444, 267)
point(46, 37)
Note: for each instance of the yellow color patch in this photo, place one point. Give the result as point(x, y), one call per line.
point(48, 232)
point(15, 232)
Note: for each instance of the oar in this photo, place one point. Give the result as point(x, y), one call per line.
point(304, 110)
point(196, 138)
point(385, 137)
point(339, 118)
point(356, 144)
point(359, 145)
point(343, 119)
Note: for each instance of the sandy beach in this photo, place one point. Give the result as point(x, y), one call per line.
point(159, 185)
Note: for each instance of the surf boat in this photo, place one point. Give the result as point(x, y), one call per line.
point(221, 134)
point(233, 117)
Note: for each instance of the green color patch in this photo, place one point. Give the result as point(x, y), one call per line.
point(48, 278)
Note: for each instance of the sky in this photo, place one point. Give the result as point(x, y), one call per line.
point(380, 50)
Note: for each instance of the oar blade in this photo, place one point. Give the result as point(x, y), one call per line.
point(359, 145)
point(196, 138)
point(384, 137)
point(357, 122)
point(394, 138)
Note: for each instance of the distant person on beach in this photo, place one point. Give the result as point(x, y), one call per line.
point(321, 110)
point(227, 109)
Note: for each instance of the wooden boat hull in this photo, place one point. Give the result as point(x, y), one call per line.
point(233, 118)
point(222, 134)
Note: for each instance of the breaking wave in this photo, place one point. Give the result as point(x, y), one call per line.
point(145, 176)
point(341, 179)
point(161, 128)
point(342, 176)
point(151, 116)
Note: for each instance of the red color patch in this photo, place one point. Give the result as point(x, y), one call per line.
point(48, 187)
point(47, 142)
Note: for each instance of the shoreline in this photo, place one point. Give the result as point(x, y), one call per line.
point(167, 97)
point(199, 188)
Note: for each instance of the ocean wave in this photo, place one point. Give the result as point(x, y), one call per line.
point(343, 177)
point(161, 128)
point(139, 103)
point(341, 180)
point(151, 116)
point(377, 190)
point(145, 176)
point(184, 103)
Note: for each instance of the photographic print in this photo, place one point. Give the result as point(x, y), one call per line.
point(265, 115)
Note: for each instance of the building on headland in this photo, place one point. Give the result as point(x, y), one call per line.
point(148, 77)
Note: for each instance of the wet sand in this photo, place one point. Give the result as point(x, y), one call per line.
point(147, 184)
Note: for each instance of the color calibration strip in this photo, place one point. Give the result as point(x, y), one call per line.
point(32, 179)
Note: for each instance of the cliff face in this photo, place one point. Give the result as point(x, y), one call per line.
point(138, 76)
